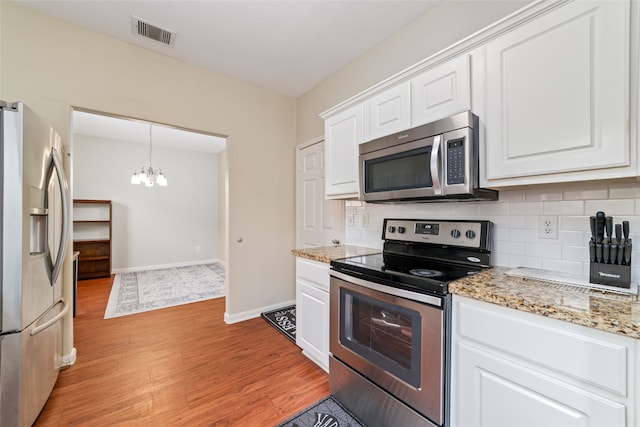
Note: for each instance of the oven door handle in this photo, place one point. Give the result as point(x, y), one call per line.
point(402, 293)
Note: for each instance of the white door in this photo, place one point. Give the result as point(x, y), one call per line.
point(319, 220)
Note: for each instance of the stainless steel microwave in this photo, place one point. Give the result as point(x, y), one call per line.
point(437, 161)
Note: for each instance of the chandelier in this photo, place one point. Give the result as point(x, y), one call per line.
point(147, 175)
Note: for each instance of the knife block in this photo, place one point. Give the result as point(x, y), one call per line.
point(610, 274)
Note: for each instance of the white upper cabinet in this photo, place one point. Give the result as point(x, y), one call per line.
point(556, 96)
point(441, 91)
point(555, 86)
point(388, 112)
point(343, 133)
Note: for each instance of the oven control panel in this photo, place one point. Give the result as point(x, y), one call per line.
point(471, 234)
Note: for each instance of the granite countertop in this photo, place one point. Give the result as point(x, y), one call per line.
point(597, 309)
point(329, 253)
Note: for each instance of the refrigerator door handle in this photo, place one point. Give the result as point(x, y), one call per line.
point(55, 163)
point(49, 323)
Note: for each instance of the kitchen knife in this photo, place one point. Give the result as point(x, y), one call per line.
point(619, 241)
point(627, 243)
point(608, 226)
point(592, 242)
point(600, 220)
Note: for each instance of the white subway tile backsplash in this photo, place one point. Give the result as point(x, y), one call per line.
point(573, 238)
point(611, 207)
point(561, 265)
point(543, 194)
point(625, 191)
point(524, 261)
point(575, 223)
point(585, 192)
point(515, 222)
point(500, 233)
point(492, 209)
point(525, 208)
point(575, 253)
point(509, 247)
point(543, 250)
point(511, 196)
point(523, 235)
point(574, 207)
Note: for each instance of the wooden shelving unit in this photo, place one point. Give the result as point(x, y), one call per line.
point(92, 237)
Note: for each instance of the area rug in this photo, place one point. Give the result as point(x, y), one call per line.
point(325, 413)
point(142, 291)
point(284, 320)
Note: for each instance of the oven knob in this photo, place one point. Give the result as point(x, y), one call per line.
point(455, 233)
point(401, 229)
point(391, 229)
point(470, 234)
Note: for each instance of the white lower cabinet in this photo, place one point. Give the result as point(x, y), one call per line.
point(511, 368)
point(312, 310)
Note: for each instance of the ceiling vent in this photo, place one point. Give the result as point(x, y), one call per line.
point(153, 32)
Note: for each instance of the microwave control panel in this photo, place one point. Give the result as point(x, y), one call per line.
point(455, 161)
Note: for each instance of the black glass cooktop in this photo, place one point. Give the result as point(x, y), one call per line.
point(416, 274)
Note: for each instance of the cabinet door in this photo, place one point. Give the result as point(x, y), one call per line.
point(557, 93)
point(496, 391)
point(312, 329)
point(343, 133)
point(388, 112)
point(441, 91)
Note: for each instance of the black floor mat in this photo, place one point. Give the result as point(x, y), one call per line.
point(326, 412)
point(284, 320)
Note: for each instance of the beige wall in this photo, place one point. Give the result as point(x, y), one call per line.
point(445, 24)
point(53, 66)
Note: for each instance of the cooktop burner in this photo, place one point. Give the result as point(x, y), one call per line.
point(423, 256)
point(424, 272)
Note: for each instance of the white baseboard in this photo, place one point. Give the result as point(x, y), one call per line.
point(161, 266)
point(68, 359)
point(252, 314)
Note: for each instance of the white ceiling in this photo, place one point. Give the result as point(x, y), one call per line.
point(286, 46)
point(136, 131)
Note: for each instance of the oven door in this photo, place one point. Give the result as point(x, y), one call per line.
point(394, 341)
point(404, 171)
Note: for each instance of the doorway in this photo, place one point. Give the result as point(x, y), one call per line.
point(181, 223)
point(319, 222)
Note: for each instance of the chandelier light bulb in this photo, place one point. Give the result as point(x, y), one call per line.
point(148, 176)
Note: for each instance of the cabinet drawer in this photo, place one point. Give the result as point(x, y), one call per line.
point(595, 357)
point(313, 272)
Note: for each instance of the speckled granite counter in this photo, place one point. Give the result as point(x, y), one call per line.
point(328, 253)
point(606, 311)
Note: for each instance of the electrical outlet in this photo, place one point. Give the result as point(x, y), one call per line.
point(351, 222)
point(365, 220)
point(197, 248)
point(548, 227)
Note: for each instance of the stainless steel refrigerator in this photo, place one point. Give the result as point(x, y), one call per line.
point(34, 234)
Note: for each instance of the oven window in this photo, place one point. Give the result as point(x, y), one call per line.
point(410, 169)
point(386, 335)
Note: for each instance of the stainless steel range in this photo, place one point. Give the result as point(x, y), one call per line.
point(391, 316)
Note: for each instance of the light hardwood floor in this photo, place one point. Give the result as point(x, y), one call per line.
point(179, 366)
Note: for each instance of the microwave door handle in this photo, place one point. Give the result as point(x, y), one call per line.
point(435, 165)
